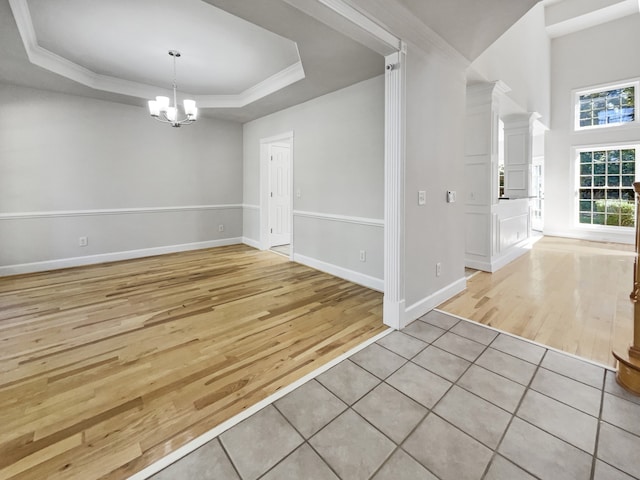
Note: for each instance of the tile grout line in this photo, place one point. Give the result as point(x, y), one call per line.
point(224, 449)
point(532, 342)
point(305, 440)
point(594, 459)
point(513, 415)
point(431, 410)
point(218, 430)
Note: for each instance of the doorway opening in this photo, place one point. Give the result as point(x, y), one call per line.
point(277, 198)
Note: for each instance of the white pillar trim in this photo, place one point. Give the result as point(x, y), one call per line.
point(394, 180)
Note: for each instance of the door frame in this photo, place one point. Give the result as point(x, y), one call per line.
point(265, 237)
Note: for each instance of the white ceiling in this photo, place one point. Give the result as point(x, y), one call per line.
point(329, 60)
point(228, 46)
point(469, 26)
point(221, 53)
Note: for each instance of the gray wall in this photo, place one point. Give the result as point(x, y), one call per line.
point(436, 91)
point(66, 157)
point(338, 166)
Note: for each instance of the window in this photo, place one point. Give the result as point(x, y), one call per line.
point(606, 177)
point(608, 106)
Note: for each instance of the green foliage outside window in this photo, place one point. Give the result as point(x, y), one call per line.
point(606, 195)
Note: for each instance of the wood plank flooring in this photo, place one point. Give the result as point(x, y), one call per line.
point(569, 294)
point(104, 369)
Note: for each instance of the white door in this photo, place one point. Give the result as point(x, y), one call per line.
point(280, 194)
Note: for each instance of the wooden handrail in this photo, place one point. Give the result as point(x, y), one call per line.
point(629, 363)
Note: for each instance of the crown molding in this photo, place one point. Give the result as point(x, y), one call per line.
point(401, 22)
point(62, 66)
point(350, 22)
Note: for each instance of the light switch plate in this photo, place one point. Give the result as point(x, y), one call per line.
point(451, 196)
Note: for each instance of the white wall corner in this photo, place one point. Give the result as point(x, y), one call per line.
point(424, 306)
point(252, 243)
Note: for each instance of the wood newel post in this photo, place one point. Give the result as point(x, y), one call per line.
point(635, 294)
point(629, 362)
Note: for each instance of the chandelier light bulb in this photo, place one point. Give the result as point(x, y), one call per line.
point(162, 110)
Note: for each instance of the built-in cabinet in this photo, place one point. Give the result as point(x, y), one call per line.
point(498, 230)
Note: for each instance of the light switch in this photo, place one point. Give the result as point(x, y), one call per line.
point(422, 197)
point(451, 196)
point(298, 193)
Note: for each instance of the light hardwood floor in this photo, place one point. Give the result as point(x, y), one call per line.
point(105, 369)
point(569, 294)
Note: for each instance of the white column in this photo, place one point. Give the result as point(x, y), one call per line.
point(394, 172)
point(518, 156)
point(481, 170)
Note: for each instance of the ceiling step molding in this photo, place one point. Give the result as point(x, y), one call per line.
point(62, 66)
point(571, 16)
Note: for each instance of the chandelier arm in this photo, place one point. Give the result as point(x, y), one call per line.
point(162, 116)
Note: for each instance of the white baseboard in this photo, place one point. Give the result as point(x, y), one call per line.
point(112, 257)
point(484, 266)
point(252, 243)
point(349, 275)
point(511, 254)
point(424, 306)
point(593, 236)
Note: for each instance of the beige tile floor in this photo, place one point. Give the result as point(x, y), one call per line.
point(444, 399)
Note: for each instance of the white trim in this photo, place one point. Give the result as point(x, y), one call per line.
point(398, 18)
point(394, 189)
point(533, 342)
point(250, 207)
point(484, 266)
point(364, 22)
point(350, 275)
point(373, 222)
point(277, 138)
point(251, 242)
point(223, 427)
point(592, 235)
point(498, 261)
point(62, 66)
point(422, 307)
point(112, 257)
point(514, 251)
point(358, 27)
point(293, 73)
point(114, 211)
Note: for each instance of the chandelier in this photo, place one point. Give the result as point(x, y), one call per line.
point(161, 108)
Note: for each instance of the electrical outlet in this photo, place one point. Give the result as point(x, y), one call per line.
point(422, 197)
point(221, 228)
point(438, 269)
point(363, 255)
point(83, 241)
